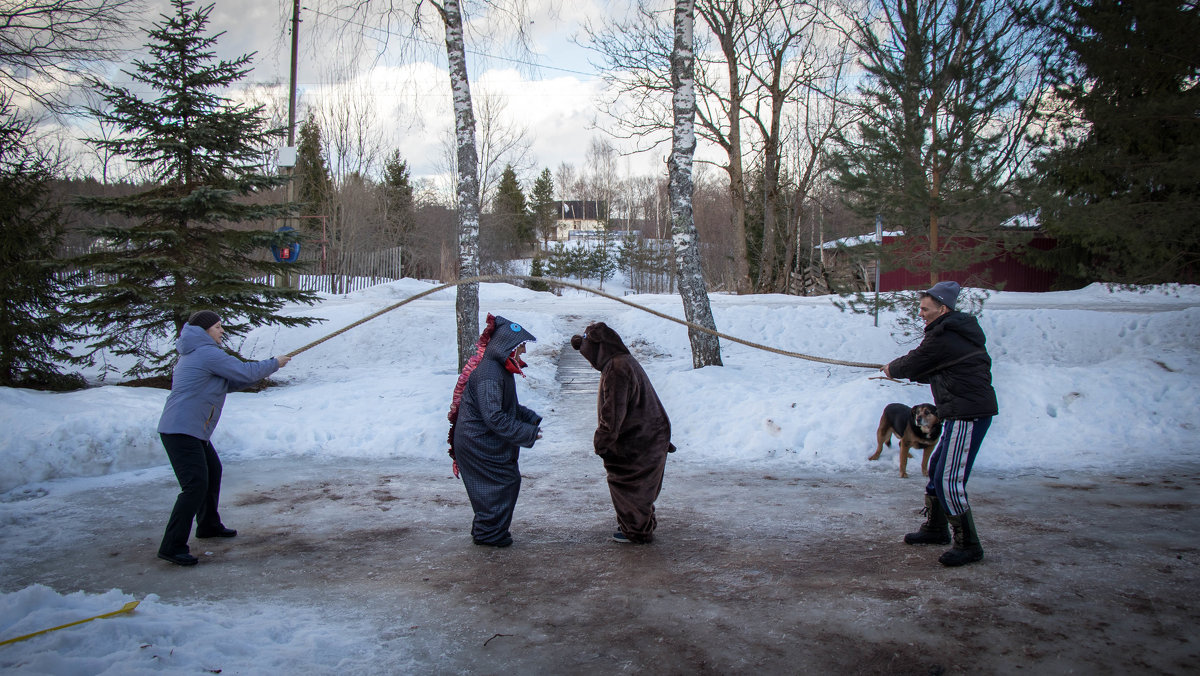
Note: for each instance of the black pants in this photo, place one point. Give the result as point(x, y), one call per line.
point(198, 470)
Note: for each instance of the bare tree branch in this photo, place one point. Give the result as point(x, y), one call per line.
point(45, 43)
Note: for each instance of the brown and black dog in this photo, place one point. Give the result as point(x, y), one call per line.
point(916, 426)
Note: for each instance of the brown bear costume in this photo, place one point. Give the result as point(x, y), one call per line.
point(633, 432)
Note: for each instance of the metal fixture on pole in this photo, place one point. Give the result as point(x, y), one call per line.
point(878, 258)
point(290, 167)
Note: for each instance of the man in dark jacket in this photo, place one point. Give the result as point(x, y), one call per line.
point(489, 427)
point(633, 433)
point(954, 361)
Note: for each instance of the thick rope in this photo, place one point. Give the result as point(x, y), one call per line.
point(559, 282)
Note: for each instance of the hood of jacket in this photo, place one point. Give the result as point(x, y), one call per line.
point(599, 344)
point(192, 338)
point(961, 323)
point(507, 337)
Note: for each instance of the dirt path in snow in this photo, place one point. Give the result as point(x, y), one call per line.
point(786, 572)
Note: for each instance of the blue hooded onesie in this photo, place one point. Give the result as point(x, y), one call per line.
point(490, 429)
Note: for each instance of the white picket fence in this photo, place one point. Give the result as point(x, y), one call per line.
point(347, 271)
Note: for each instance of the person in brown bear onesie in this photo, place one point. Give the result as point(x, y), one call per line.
point(633, 433)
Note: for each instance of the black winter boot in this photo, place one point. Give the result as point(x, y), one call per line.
point(934, 530)
point(966, 542)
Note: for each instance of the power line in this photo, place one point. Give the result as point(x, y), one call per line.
point(434, 44)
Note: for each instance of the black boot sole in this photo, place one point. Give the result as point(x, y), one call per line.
point(224, 534)
point(179, 559)
point(959, 557)
point(911, 539)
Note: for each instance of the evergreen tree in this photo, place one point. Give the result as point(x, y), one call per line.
point(32, 329)
point(564, 261)
point(1121, 193)
point(509, 231)
point(537, 269)
point(545, 215)
point(204, 154)
point(600, 263)
point(313, 185)
point(399, 210)
point(511, 203)
point(945, 107)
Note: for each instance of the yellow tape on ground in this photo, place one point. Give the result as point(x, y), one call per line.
point(128, 607)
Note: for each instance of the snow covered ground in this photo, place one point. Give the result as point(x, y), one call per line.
point(1088, 381)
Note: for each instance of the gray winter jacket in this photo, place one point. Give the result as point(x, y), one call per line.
point(203, 376)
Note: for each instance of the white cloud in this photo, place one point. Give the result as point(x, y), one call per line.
point(552, 92)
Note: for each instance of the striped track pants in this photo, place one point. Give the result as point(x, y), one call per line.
point(950, 466)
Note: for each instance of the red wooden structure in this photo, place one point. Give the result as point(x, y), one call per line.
point(1003, 271)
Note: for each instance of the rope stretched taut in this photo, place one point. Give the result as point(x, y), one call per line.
point(559, 282)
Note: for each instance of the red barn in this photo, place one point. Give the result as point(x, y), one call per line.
point(1001, 269)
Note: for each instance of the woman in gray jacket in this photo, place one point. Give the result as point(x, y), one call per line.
point(202, 377)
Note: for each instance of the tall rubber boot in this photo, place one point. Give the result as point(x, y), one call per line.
point(966, 542)
point(934, 530)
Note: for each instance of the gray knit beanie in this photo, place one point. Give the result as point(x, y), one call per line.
point(945, 293)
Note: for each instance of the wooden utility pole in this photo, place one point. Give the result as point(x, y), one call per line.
point(291, 131)
point(292, 84)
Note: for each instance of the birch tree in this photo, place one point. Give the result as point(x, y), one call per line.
point(782, 51)
point(706, 349)
point(501, 142)
point(821, 113)
point(466, 305)
point(638, 51)
point(467, 191)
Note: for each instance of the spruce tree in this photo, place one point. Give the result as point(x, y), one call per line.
point(509, 231)
point(542, 207)
point(945, 106)
point(537, 269)
point(511, 204)
point(399, 206)
point(1121, 193)
point(32, 328)
point(204, 154)
point(313, 185)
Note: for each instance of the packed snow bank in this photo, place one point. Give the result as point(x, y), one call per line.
point(157, 637)
point(1085, 379)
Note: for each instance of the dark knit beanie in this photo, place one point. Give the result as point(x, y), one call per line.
point(204, 319)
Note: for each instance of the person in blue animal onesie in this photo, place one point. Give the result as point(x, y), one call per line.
point(488, 428)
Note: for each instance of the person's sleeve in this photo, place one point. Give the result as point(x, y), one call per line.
point(528, 415)
point(239, 374)
point(924, 358)
point(611, 408)
point(509, 427)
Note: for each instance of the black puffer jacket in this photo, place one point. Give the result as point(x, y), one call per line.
point(954, 361)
